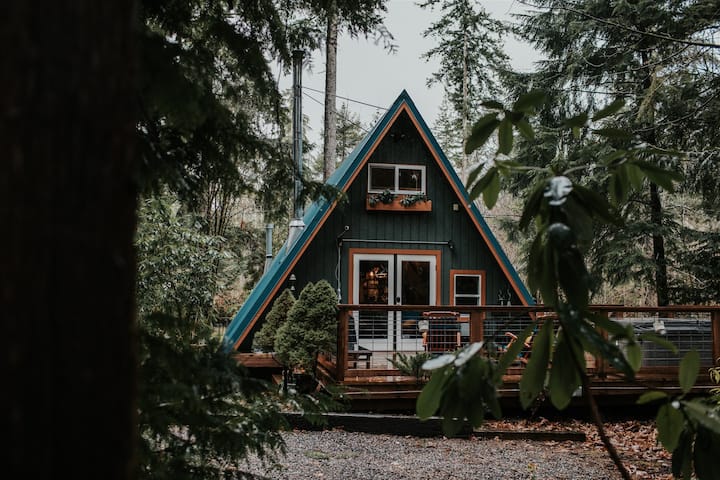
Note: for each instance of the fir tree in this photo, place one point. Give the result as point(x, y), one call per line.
point(469, 46)
point(264, 339)
point(311, 328)
point(599, 50)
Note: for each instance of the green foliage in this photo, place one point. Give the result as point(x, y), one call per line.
point(562, 212)
point(264, 339)
point(349, 131)
point(412, 364)
point(465, 26)
point(596, 51)
point(206, 91)
point(462, 389)
point(689, 428)
point(311, 328)
point(715, 377)
point(177, 262)
point(386, 197)
point(533, 379)
point(199, 414)
point(410, 200)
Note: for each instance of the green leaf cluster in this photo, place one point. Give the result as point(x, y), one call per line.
point(177, 263)
point(688, 427)
point(462, 388)
point(468, 44)
point(386, 197)
point(412, 364)
point(199, 412)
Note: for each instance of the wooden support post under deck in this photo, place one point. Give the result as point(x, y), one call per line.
point(477, 321)
point(342, 344)
point(715, 316)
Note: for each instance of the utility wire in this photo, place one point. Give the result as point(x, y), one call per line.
point(348, 99)
point(349, 120)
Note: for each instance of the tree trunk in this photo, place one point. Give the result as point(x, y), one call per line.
point(330, 137)
point(656, 211)
point(67, 267)
point(658, 241)
point(465, 132)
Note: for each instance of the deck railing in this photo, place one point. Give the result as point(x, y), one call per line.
point(372, 337)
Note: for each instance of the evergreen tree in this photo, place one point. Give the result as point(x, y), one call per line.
point(311, 327)
point(597, 50)
point(356, 17)
point(349, 132)
point(264, 339)
point(469, 46)
point(210, 111)
point(199, 413)
point(448, 132)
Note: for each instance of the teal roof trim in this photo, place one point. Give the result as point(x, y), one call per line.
point(314, 214)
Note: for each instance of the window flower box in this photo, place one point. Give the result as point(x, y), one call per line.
point(400, 203)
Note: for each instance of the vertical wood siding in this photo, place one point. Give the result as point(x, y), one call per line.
point(403, 145)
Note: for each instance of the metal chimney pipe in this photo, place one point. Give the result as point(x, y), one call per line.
point(268, 245)
point(297, 129)
point(296, 224)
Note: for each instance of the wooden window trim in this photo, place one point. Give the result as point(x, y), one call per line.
point(483, 286)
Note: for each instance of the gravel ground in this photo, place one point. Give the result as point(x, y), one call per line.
point(337, 454)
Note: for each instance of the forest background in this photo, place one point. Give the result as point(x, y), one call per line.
point(148, 145)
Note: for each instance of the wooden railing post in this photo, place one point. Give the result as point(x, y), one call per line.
point(342, 344)
point(600, 362)
point(715, 318)
point(477, 323)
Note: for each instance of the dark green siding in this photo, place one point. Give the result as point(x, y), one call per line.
point(403, 145)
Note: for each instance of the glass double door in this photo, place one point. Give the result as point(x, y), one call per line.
point(391, 279)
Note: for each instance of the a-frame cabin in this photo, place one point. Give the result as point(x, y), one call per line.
point(437, 250)
point(408, 236)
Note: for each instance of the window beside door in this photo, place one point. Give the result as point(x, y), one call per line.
point(466, 287)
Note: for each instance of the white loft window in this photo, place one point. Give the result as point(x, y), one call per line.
point(467, 289)
point(396, 178)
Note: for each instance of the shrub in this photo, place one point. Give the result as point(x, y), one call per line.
point(311, 328)
point(265, 338)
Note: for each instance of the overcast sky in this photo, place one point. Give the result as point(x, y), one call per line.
point(367, 73)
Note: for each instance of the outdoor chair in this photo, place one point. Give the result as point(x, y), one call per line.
point(357, 354)
point(443, 332)
point(524, 354)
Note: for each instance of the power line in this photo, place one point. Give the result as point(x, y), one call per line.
point(349, 120)
point(348, 99)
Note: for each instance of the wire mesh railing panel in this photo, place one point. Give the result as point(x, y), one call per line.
point(500, 330)
point(376, 338)
point(686, 331)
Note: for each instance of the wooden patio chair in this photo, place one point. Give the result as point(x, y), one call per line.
point(357, 354)
point(443, 332)
point(524, 354)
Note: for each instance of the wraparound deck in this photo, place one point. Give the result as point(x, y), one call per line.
point(372, 337)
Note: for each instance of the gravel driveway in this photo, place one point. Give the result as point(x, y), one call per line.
point(340, 455)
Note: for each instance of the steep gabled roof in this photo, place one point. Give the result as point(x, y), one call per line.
point(316, 214)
